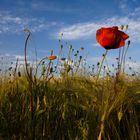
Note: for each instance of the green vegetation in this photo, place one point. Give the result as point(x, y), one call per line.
point(68, 102)
point(70, 108)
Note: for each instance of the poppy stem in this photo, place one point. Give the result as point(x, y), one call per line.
point(119, 59)
point(125, 57)
point(122, 57)
point(101, 64)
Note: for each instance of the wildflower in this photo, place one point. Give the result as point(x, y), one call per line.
point(52, 57)
point(111, 38)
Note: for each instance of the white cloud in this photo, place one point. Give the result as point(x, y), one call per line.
point(79, 31)
point(135, 13)
point(87, 30)
point(11, 24)
point(134, 66)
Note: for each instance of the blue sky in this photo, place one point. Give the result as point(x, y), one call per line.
point(77, 19)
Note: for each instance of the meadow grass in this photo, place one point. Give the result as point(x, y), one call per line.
point(72, 107)
point(69, 102)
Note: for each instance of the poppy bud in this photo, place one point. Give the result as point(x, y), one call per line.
point(126, 26)
point(80, 57)
point(129, 42)
point(70, 47)
point(61, 46)
point(98, 63)
point(43, 62)
point(121, 27)
point(63, 59)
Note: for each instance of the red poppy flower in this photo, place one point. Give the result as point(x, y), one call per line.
point(52, 57)
point(111, 38)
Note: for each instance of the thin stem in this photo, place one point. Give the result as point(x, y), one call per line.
point(25, 56)
point(123, 50)
point(39, 64)
point(101, 65)
point(119, 58)
point(107, 64)
point(125, 58)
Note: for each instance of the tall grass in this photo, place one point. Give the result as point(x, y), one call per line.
point(71, 108)
point(64, 102)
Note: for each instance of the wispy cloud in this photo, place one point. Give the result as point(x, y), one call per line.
point(87, 30)
point(135, 13)
point(134, 66)
point(79, 31)
point(123, 4)
point(15, 24)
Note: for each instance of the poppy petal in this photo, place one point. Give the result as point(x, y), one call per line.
point(111, 38)
point(123, 35)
